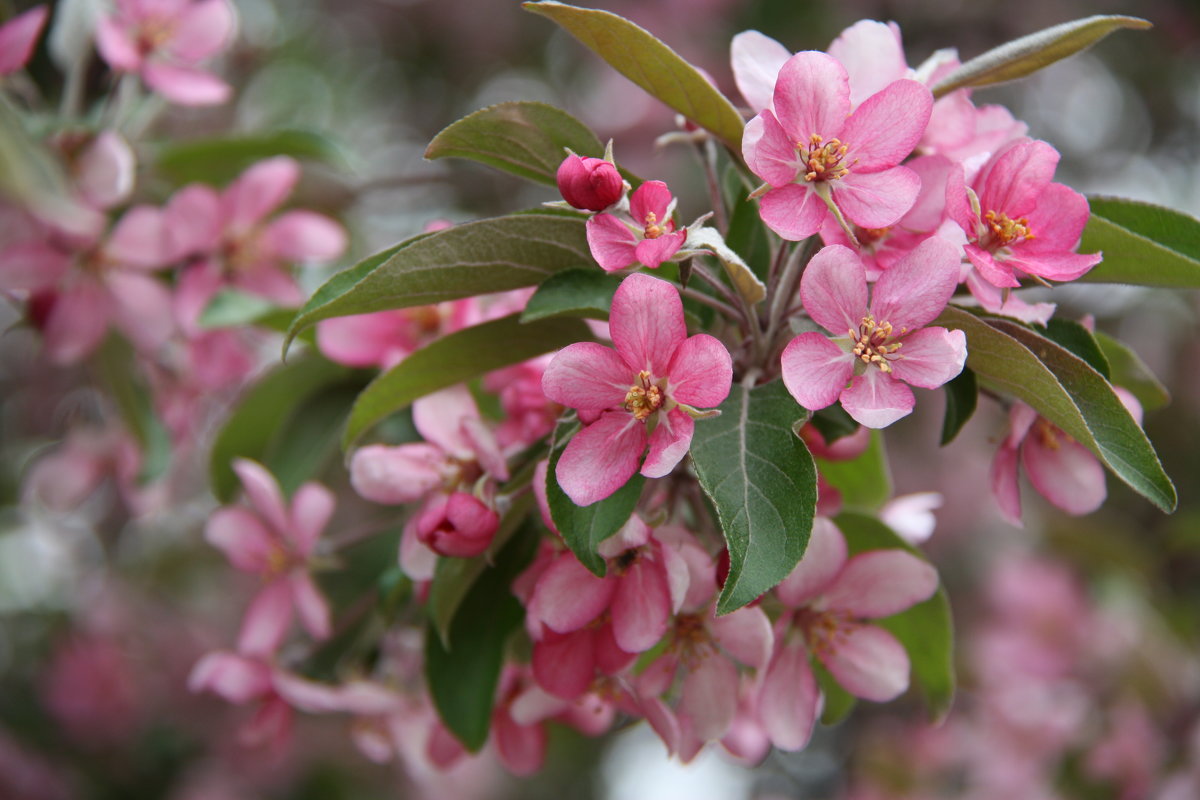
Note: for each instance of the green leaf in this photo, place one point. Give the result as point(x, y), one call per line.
point(763, 483)
point(583, 528)
point(490, 255)
point(462, 675)
point(573, 293)
point(1079, 340)
point(1130, 372)
point(132, 397)
point(649, 63)
point(1142, 244)
point(455, 358)
point(838, 702)
point(748, 236)
point(218, 161)
point(865, 482)
point(1064, 389)
point(926, 630)
point(527, 139)
point(1027, 55)
point(833, 423)
point(263, 413)
point(232, 308)
point(961, 395)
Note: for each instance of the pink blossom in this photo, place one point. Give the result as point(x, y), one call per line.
point(653, 381)
point(1017, 221)
point(831, 597)
point(18, 37)
point(385, 338)
point(459, 525)
point(276, 541)
point(164, 41)
point(814, 152)
point(589, 184)
point(887, 344)
point(648, 237)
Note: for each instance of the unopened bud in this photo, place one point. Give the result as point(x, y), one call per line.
point(590, 184)
point(461, 527)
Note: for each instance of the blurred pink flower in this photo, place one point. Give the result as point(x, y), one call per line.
point(18, 37)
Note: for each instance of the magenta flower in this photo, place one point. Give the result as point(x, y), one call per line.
point(638, 395)
point(886, 344)
point(18, 37)
point(831, 597)
point(814, 152)
point(277, 542)
point(1017, 220)
point(164, 40)
point(648, 238)
point(589, 184)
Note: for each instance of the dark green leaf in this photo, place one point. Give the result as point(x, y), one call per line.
point(1080, 341)
point(865, 482)
point(218, 161)
point(1142, 244)
point(748, 237)
point(462, 676)
point(490, 255)
point(833, 423)
point(527, 139)
point(926, 630)
point(1130, 372)
point(583, 528)
point(1027, 55)
point(649, 63)
point(961, 395)
point(310, 437)
point(455, 358)
point(574, 293)
point(763, 483)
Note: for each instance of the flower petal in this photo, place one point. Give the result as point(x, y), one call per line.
point(709, 697)
point(230, 676)
point(304, 236)
point(240, 535)
point(653, 252)
point(669, 443)
point(868, 662)
point(930, 357)
point(587, 375)
point(815, 370)
point(877, 199)
point(873, 56)
point(877, 400)
point(812, 96)
point(18, 37)
point(795, 212)
point(1063, 471)
point(312, 506)
point(611, 241)
point(834, 289)
point(311, 606)
point(883, 131)
point(1005, 482)
point(790, 701)
point(568, 597)
point(641, 606)
point(646, 323)
point(756, 60)
point(746, 635)
point(204, 28)
point(259, 190)
point(564, 664)
point(396, 474)
point(601, 457)
point(880, 583)
point(823, 560)
point(263, 492)
point(916, 289)
point(701, 372)
point(769, 152)
point(185, 85)
point(266, 621)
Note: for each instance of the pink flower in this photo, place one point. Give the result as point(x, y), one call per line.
point(164, 40)
point(18, 36)
point(460, 525)
point(832, 596)
point(589, 184)
point(648, 238)
point(385, 338)
point(813, 151)
point(656, 375)
point(1017, 221)
point(277, 542)
point(886, 345)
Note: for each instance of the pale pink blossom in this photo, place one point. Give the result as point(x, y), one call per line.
point(647, 236)
point(18, 37)
point(886, 345)
point(653, 381)
point(385, 338)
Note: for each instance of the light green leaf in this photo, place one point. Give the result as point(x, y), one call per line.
point(763, 483)
point(865, 482)
point(526, 139)
point(455, 358)
point(218, 161)
point(649, 63)
point(573, 293)
point(1027, 55)
point(1143, 244)
point(1130, 372)
point(232, 308)
point(490, 255)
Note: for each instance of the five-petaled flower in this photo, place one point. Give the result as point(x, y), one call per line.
point(649, 238)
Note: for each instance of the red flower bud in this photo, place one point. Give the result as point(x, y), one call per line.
point(462, 526)
point(590, 184)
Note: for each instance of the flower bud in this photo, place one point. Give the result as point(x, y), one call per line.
point(590, 184)
point(461, 527)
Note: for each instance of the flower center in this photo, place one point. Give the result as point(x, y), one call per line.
point(643, 398)
point(1046, 434)
point(824, 631)
point(823, 159)
point(153, 34)
point(1005, 231)
point(691, 641)
point(873, 345)
point(653, 230)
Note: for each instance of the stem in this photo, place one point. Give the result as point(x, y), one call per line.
point(776, 264)
point(781, 300)
point(702, 272)
point(72, 96)
point(711, 302)
point(708, 159)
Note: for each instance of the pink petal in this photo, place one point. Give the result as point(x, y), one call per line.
point(312, 506)
point(669, 443)
point(641, 607)
point(646, 323)
point(1005, 485)
point(601, 457)
point(141, 308)
point(193, 221)
point(883, 131)
point(439, 416)
point(416, 559)
point(272, 282)
point(653, 252)
point(1064, 471)
point(633, 534)
point(930, 357)
point(701, 372)
point(812, 95)
point(77, 321)
point(756, 61)
point(380, 339)
point(263, 492)
point(873, 57)
point(564, 664)
point(868, 662)
point(877, 400)
point(834, 289)
point(18, 37)
point(260, 190)
point(266, 621)
point(305, 695)
point(880, 583)
point(485, 447)
point(795, 212)
point(396, 474)
point(1013, 181)
point(958, 203)
point(790, 701)
point(311, 606)
point(652, 197)
point(915, 290)
point(115, 46)
point(587, 376)
point(611, 242)
point(992, 270)
point(104, 171)
point(230, 676)
point(877, 199)
point(304, 236)
point(709, 697)
point(522, 748)
point(1057, 222)
point(186, 86)
point(139, 239)
point(746, 635)
point(32, 265)
point(770, 153)
point(568, 597)
point(204, 28)
point(1054, 266)
point(815, 370)
point(823, 560)
point(241, 536)
point(610, 658)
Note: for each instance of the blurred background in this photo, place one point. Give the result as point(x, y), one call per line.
point(1077, 637)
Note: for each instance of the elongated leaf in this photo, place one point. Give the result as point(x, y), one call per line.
point(961, 396)
point(1027, 55)
point(456, 358)
point(865, 482)
point(926, 630)
point(462, 677)
point(1065, 390)
point(763, 483)
point(490, 255)
point(1079, 340)
point(583, 528)
point(218, 161)
point(527, 139)
point(573, 293)
point(1130, 372)
point(1142, 244)
point(263, 413)
point(639, 56)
